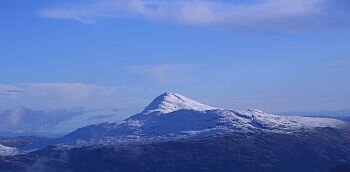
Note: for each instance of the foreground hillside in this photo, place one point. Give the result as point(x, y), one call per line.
point(316, 151)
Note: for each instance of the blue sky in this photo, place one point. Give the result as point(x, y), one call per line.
point(273, 55)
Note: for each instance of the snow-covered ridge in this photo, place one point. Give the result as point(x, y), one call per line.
point(181, 114)
point(7, 151)
point(172, 116)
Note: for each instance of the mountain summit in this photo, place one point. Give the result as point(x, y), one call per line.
point(170, 102)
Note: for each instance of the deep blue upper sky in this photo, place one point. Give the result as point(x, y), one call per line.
point(267, 54)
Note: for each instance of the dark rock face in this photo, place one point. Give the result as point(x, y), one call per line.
point(316, 151)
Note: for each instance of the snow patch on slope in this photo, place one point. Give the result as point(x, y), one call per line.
point(7, 151)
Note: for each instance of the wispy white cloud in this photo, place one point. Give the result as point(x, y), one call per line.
point(67, 91)
point(59, 94)
point(262, 14)
point(164, 73)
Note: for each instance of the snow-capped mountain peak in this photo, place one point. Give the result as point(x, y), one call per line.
point(172, 115)
point(170, 102)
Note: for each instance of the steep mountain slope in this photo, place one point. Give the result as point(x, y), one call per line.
point(173, 115)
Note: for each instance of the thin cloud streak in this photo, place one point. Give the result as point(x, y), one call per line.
point(257, 15)
point(68, 91)
point(60, 94)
